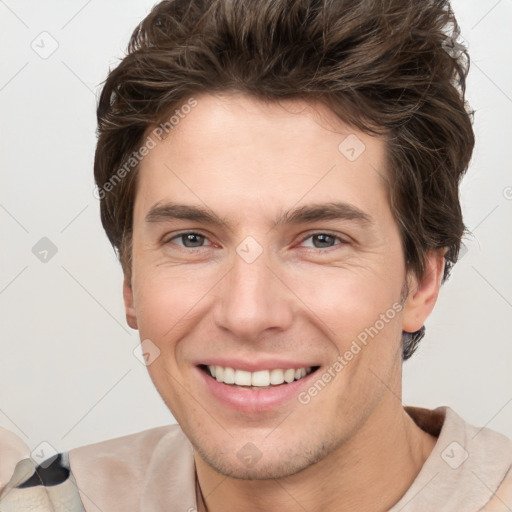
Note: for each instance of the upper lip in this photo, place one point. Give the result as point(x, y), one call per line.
point(256, 365)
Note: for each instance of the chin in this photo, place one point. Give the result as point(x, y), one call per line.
point(267, 471)
point(262, 466)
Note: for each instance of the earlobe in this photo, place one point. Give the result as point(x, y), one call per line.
point(423, 292)
point(131, 317)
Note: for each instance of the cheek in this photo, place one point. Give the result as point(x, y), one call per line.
point(346, 301)
point(165, 302)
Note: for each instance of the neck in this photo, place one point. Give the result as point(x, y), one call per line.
point(370, 471)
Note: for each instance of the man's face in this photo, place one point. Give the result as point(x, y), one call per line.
point(275, 287)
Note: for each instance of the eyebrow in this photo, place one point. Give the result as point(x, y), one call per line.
point(304, 214)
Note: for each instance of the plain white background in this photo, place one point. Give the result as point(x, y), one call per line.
point(68, 373)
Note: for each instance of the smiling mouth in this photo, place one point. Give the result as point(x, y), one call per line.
point(262, 379)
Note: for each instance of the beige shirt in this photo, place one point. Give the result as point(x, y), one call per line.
point(469, 470)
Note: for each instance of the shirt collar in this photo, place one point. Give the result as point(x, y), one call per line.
point(463, 470)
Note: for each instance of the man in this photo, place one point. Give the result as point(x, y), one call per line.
point(280, 180)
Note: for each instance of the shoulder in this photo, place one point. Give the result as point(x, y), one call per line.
point(150, 470)
point(119, 474)
point(470, 467)
point(501, 500)
point(133, 448)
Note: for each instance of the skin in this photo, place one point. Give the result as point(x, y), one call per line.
point(302, 299)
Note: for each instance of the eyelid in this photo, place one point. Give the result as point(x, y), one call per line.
point(166, 240)
point(304, 237)
point(339, 237)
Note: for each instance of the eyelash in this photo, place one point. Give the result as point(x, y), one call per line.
point(310, 235)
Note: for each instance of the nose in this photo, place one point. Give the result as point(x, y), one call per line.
point(253, 299)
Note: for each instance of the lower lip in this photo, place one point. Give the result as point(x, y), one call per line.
point(254, 400)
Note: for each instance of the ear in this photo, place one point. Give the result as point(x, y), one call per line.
point(423, 292)
point(131, 317)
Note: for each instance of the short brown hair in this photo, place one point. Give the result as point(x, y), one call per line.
point(387, 67)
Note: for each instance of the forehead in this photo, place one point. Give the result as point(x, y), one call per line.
point(233, 150)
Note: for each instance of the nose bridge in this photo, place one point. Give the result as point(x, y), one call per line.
point(252, 299)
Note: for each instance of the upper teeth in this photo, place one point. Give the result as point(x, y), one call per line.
point(260, 378)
